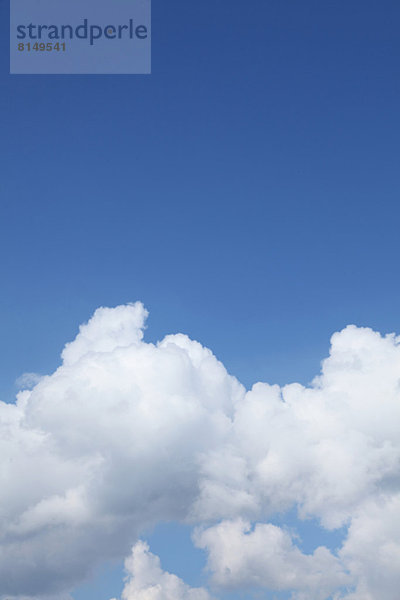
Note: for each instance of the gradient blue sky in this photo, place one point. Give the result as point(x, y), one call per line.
point(247, 192)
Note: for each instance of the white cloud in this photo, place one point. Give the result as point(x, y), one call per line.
point(126, 433)
point(27, 381)
point(266, 557)
point(104, 447)
point(372, 549)
point(107, 330)
point(147, 581)
point(325, 448)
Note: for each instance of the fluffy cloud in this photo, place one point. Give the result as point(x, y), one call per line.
point(127, 433)
point(323, 448)
point(147, 581)
point(266, 557)
point(104, 447)
point(372, 549)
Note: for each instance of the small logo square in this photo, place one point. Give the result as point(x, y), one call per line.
point(80, 37)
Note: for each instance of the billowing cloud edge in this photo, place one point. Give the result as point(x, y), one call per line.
point(125, 434)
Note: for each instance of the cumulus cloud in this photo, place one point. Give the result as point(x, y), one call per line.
point(372, 549)
point(147, 581)
point(126, 433)
point(266, 557)
point(105, 446)
point(324, 448)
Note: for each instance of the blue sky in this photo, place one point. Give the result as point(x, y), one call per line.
point(247, 192)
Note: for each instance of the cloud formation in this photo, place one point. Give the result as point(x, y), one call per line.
point(126, 433)
point(266, 557)
point(147, 581)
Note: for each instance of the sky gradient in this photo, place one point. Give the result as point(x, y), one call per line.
point(247, 192)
